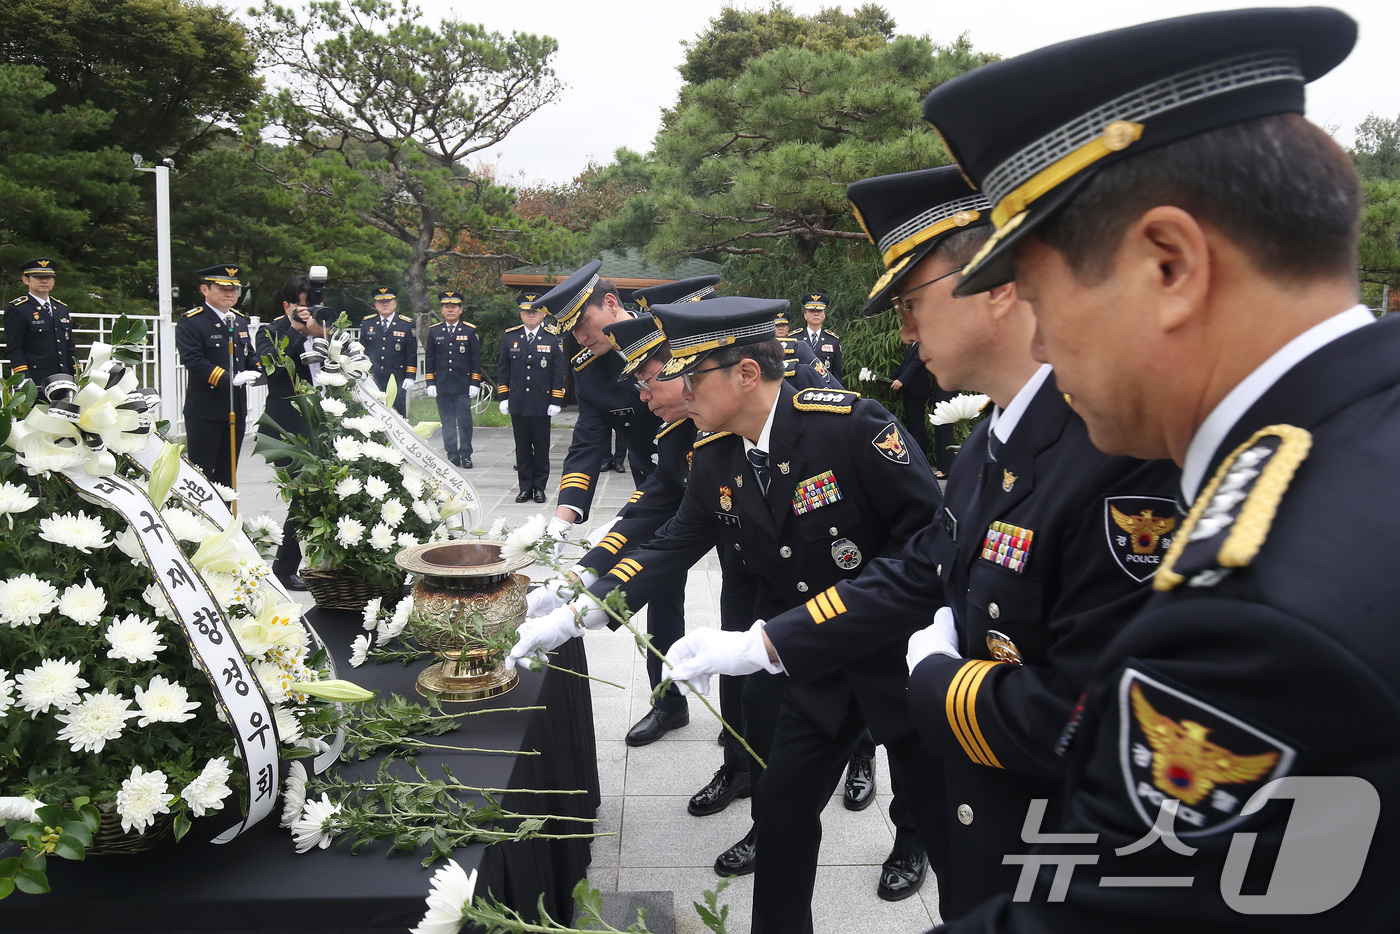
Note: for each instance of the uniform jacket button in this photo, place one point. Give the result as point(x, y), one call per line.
point(939, 572)
point(993, 611)
point(964, 813)
point(785, 551)
point(834, 531)
point(737, 547)
point(802, 586)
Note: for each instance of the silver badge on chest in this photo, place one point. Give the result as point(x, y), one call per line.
point(845, 553)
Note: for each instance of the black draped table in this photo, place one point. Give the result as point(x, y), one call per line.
point(258, 882)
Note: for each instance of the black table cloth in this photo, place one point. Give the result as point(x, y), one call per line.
point(259, 883)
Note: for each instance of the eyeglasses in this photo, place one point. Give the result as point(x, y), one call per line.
point(641, 385)
point(689, 383)
point(901, 301)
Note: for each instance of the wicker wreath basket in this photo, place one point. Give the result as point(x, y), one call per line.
point(111, 840)
point(342, 589)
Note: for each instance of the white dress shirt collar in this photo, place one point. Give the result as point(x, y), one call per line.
point(1004, 421)
point(765, 436)
point(1231, 409)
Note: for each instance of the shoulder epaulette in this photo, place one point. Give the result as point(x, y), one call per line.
point(406, 318)
point(438, 325)
point(55, 301)
point(1233, 514)
point(551, 329)
point(235, 311)
point(370, 316)
point(582, 359)
point(19, 301)
point(839, 401)
point(516, 328)
point(194, 311)
point(831, 334)
point(705, 437)
point(665, 429)
point(469, 324)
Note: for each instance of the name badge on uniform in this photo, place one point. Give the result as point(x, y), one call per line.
point(622, 413)
point(1008, 545)
point(815, 492)
point(729, 519)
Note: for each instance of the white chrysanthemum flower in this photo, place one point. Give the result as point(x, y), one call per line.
point(349, 531)
point(370, 618)
point(164, 701)
point(274, 680)
point(391, 628)
point(25, 598)
point(83, 603)
point(393, 512)
point(865, 374)
point(185, 525)
point(425, 510)
point(26, 809)
point(364, 424)
point(453, 889)
point(498, 528)
point(209, 789)
point(957, 409)
point(130, 546)
point(333, 407)
point(134, 639)
point(94, 720)
point(524, 538)
point(40, 455)
point(80, 531)
point(359, 649)
point(348, 487)
point(407, 539)
point(389, 455)
point(7, 692)
point(142, 797)
point(15, 498)
point(54, 682)
point(413, 482)
point(316, 825)
point(293, 794)
point(225, 587)
point(227, 494)
point(264, 527)
point(156, 598)
point(381, 537)
point(288, 726)
point(331, 379)
point(346, 448)
point(377, 488)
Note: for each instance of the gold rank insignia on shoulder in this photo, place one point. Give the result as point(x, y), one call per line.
point(1233, 514)
point(1175, 747)
point(1008, 480)
point(838, 401)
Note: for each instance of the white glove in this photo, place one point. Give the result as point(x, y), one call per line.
point(540, 635)
point(245, 377)
point(407, 385)
point(941, 638)
point(556, 591)
point(473, 392)
point(705, 652)
point(432, 392)
point(505, 407)
point(558, 527)
point(553, 410)
point(600, 532)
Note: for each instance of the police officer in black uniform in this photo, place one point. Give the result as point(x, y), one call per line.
point(1190, 247)
point(38, 327)
point(803, 492)
point(217, 377)
point(453, 365)
point(825, 344)
point(913, 383)
point(391, 341)
point(530, 385)
point(279, 342)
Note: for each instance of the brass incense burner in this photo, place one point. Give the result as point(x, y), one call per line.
point(465, 601)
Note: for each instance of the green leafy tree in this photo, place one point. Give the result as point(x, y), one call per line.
point(1377, 160)
point(380, 113)
point(1377, 153)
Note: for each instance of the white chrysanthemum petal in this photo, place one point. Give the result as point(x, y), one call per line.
point(958, 408)
point(15, 498)
point(293, 794)
point(333, 407)
point(163, 701)
point(7, 692)
point(377, 488)
point(349, 531)
point(54, 682)
point(185, 525)
point(79, 531)
point(381, 537)
point(524, 538)
point(209, 788)
point(83, 603)
point(393, 512)
point(348, 487)
point(370, 618)
point(26, 809)
point(359, 649)
point(346, 448)
point(25, 598)
point(263, 527)
point(452, 890)
point(134, 639)
point(130, 546)
point(316, 825)
point(141, 798)
point(407, 539)
point(94, 720)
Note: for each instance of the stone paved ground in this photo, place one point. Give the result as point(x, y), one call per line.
point(658, 846)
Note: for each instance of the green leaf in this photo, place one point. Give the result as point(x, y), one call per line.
point(91, 816)
point(79, 830)
point(70, 847)
point(7, 885)
point(182, 825)
point(32, 859)
point(32, 881)
point(8, 867)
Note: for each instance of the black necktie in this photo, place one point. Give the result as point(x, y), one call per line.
point(759, 459)
point(993, 445)
point(384, 324)
point(48, 311)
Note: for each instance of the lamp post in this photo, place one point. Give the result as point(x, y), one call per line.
point(165, 336)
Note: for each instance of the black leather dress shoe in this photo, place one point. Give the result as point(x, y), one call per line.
point(722, 734)
point(738, 860)
point(293, 583)
point(860, 784)
point(727, 785)
point(902, 875)
point(465, 463)
point(540, 497)
point(523, 496)
point(656, 724)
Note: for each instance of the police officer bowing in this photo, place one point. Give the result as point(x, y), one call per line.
point(391, 341)
point(38, 327)
point(453, 364)
point(218, 377)
point(530, 385)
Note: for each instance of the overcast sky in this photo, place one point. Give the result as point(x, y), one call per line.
point(619, 60)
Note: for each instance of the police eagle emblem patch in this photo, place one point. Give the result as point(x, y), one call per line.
point(1175, 746)
point(889, 443)
point(1139, 530)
